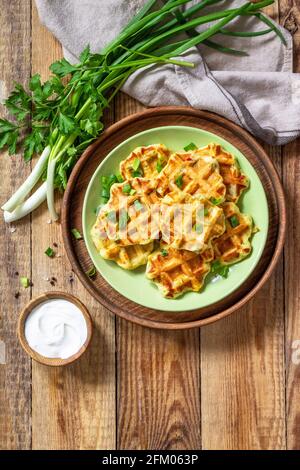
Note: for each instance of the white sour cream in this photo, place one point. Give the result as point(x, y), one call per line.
point(56, 329)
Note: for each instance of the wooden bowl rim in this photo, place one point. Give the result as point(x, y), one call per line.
point(279, 197)
point(48, 361)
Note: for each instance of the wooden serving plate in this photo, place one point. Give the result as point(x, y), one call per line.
point(117, 133)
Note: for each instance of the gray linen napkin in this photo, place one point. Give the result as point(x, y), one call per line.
point(259, 92)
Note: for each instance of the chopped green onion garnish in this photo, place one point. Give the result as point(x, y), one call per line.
point(111, 216)
point(76, 234)
point(159, 166)
point(138, 173)
point(234, 221)
point(119, 178)
point(219, 268)
point(179, 181)
point(126, 188)
point(164, 252)
point(215, 201)
point(123, 219)
point(136, 163)
point(107, 182)
point(190, 146)
point(24, 282)
point(237, 163)
point(132, 192)
point(138, 205)
point(91, 272)
point(49, 252)
point(198, 228)
point(205, 211)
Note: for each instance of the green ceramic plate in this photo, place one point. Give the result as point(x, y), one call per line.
point(133, 284)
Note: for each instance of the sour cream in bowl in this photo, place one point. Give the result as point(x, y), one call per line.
point(55, 329)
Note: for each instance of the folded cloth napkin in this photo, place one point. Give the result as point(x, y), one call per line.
point(259, 91)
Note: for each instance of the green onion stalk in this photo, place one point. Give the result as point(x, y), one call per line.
point(58, 120)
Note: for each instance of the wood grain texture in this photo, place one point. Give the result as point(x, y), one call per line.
point(75, 404)
point(15, 375)
point(158, 401)
point(241, 367)
point(243, 376)
point(73, 202)
point(290, 15)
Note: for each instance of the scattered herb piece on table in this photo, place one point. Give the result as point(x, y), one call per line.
point(49, 252)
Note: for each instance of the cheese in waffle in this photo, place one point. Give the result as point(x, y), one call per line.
point(127, 257)
point(190, 222)
point(234, 244)
point(235, 181)
point(193, 174)
point(178, 271)
point(127, 216)
point(145, 162)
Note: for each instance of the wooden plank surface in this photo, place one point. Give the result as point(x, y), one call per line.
point(234, 385)
point(76, 404)
point(290, 17)
point(15, 375)
point(242, 374)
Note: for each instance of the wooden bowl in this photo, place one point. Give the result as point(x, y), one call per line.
point(122, 130)
point(28, 309)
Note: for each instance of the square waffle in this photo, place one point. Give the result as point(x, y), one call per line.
point(193, 174)
point(178, 271)
point(235, 181)
point(234, 244)
point(145, 162)
point(191, 222)
point(127, 257)
point(127, 217)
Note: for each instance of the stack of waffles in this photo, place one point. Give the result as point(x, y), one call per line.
point(177, 213)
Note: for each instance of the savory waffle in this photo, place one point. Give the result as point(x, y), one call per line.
point(193, 174)
point(127, 257)
point(145, 162)
point(178, 271)
point(126, 217)
point(190, 222)
point(187, 201)
point(234, 244)
point(235, 181)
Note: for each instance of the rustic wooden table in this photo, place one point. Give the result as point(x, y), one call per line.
point(232, 385)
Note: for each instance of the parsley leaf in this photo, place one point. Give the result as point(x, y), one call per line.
point(62, 67)
point(66, 124)
point(6, 126)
